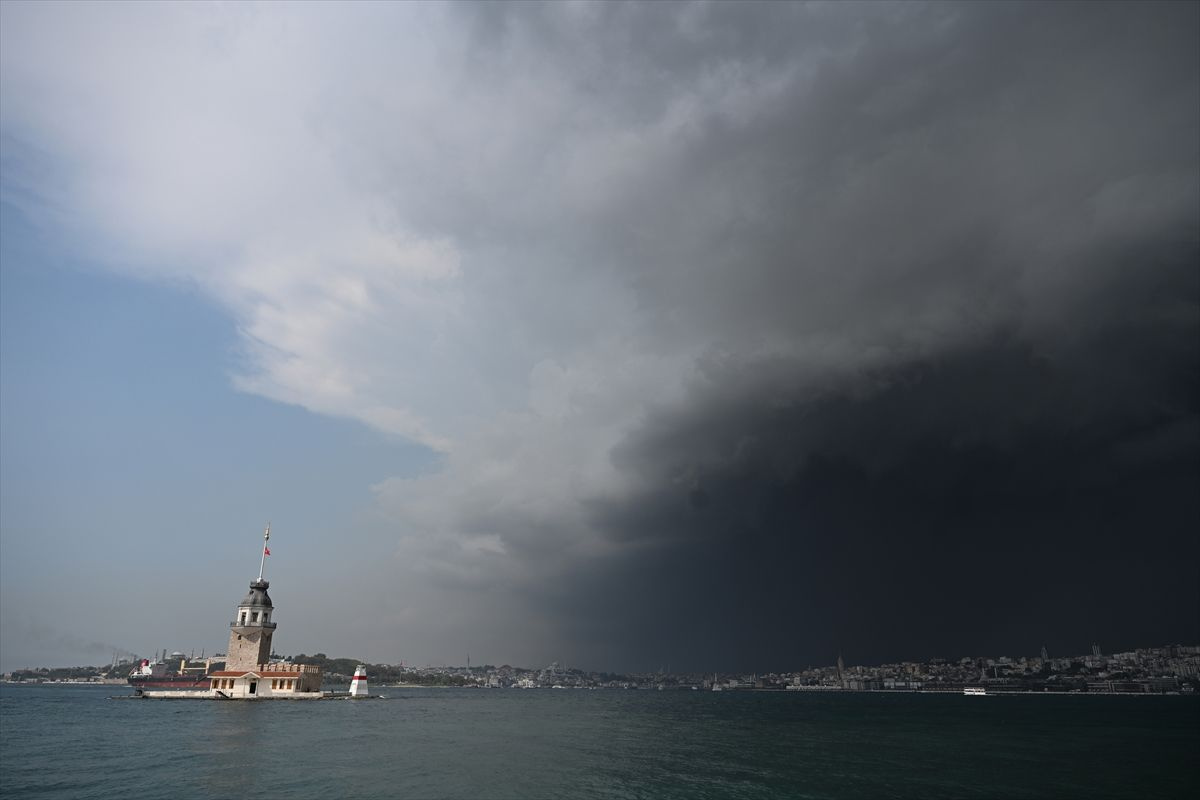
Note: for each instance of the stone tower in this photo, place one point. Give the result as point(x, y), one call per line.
point(249, 673)
point(251, 630)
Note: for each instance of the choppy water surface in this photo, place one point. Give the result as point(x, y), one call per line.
point(73, 742)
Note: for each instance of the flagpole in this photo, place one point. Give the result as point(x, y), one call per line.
point(263, 563)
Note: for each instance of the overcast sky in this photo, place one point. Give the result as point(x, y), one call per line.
point(724, 336)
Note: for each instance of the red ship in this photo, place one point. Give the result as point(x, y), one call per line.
point(157, 675)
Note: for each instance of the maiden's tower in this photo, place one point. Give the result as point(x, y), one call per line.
point(249, 671)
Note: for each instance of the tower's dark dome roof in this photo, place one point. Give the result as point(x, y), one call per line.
point(258, 595)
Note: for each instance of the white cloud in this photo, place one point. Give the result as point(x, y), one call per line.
point(394, 234)
point(192, 144)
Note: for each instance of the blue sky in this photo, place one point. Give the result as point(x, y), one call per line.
point(135, 475)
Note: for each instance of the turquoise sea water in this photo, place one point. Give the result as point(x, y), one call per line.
point(73, 742)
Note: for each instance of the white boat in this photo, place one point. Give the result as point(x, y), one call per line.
point(974, 690)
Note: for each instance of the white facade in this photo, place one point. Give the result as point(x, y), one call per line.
point(256, 684)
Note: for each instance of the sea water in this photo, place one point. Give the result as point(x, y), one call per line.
point(74, 742)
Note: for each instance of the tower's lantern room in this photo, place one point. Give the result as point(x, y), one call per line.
point(256, 606)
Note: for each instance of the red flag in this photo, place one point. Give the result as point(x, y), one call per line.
point(266, 550)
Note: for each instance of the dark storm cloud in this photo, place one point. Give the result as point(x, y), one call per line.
point(950, 282)
point(988, 500)
point(931, 273)
point(861, 172)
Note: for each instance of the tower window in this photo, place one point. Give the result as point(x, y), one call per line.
point(254, 616)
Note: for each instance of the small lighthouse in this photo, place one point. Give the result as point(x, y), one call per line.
point(358, 684)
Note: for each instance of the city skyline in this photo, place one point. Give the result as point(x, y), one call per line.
point(724, 335)
point(1171, 669)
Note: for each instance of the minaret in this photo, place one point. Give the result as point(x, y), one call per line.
point(251, 630)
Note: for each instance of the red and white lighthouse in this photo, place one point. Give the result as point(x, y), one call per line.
point(358, 684)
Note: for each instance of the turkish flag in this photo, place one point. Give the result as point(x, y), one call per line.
point(266, 550)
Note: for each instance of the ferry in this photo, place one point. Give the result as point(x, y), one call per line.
point(975, 690)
